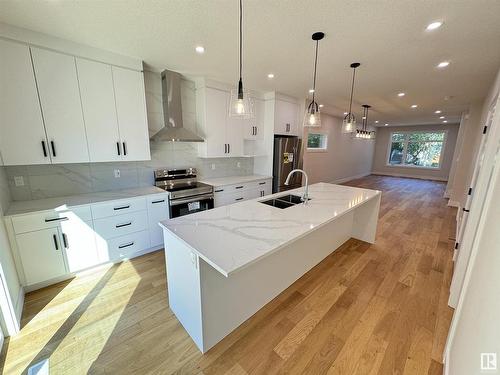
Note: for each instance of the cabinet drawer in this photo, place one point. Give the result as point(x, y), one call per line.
point(119, 207)
point(157, 211)
point(261, 184)
point(114, 226)
point(123, 246)
point(227, 189)
point(49, 219)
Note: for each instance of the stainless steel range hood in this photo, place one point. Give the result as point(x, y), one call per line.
point(174, 130)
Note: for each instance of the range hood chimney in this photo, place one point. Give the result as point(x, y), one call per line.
point(174, 130)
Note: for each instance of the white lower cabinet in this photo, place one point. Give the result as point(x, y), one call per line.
point(122, 247)
point(157, 211)
point(229, 194)
point(78, 240)
point(41, 254)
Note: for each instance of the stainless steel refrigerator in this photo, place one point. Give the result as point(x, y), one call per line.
point(287, 156)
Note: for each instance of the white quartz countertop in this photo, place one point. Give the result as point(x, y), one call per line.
point(222, 181)
point(234, 236)
point(23, 207)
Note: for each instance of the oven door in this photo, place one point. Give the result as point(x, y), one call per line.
point(186, 206)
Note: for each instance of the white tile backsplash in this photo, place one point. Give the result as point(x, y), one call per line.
point(5, 197)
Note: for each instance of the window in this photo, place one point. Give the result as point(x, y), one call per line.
point(416, 149)
point(317, 141)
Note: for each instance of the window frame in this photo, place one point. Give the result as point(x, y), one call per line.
point(324, 134)
point(405, 146)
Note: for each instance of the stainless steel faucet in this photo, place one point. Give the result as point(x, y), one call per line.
point(305, 196)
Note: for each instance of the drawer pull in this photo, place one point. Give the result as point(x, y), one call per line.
point(65, 240)
point(218, 191)
point(160, 201)
point(126, 245)
point(64, 218)
point(239, 199)
point(56, 244)
point(262, 183)
point(123, 225)
point(121, 208)
point(239, 187)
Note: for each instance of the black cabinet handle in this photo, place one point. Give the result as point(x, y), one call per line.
point(123, 225)
point(218, 191)
point(124, 148)
point(121, 208)
point(239, 199)
point(56, 245)
point(65, 241)
point(118, 148)
point(53, 148)
point(56, 219)
point(126, 245)
point(228, 148)
point(44, 149)
point(256, 130)
point(160, 201)
point(225, 148)
point(239, 187)
point(262, 183)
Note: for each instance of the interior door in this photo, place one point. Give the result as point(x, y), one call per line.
point(61, 106)
point(22, 131)
point(131, 112)
point(98, 103)
point(41, 255)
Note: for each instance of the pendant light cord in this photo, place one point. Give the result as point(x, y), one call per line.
point(315, 66)
point(241, 36)
point(352, 91)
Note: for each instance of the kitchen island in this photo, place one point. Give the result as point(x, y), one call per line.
point(225, 264)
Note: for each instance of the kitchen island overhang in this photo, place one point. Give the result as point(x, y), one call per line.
point(225, 264)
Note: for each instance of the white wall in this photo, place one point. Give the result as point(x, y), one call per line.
point(345, 158)
point(382, 145)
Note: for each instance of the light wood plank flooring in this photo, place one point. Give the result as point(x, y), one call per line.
point(366, 309)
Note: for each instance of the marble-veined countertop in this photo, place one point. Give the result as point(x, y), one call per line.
point(222, 181)
point(234, 236)
point(23, 207)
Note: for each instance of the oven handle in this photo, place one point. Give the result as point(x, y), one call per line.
point(176, 202)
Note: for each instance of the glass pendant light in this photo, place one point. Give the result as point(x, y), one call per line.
point(364, 133)
point(349, 123)
point(240, 104)
point(312, 116)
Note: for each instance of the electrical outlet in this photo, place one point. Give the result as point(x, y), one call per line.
point(238, 164)
point(19, 180)
point(213, 167)
point(117, 173)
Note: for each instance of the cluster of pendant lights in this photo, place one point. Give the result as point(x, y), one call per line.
point(241, 104)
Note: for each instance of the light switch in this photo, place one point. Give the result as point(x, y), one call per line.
point(19, 180)
point(117, 173)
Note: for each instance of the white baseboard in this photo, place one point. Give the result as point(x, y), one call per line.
point(410, 176)
point(345, 179)
point(453, 203)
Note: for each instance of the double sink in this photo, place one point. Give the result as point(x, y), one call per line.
point(284, 201)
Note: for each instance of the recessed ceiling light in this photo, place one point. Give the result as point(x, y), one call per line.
point(401, 94)
point(386, 124)
point(437, 112)
point(200, 49)
point(442, 117)
point(434, 25)
point(414, 106)
point(376, 121)
point(445, 121)
point(443, 64)
point(311, 91)
point(321, 105)
point(270, 75)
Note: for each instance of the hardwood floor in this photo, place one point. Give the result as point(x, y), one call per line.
point(366, 309)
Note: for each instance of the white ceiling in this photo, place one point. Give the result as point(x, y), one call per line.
point(387, 37)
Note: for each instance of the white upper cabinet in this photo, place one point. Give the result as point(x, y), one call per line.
point(98, 103)
point(131, 112)
point(61, 106)
point(285, 117)
point(21, 128)
point(254, 128)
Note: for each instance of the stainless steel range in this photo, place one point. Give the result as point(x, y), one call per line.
point(186, 194)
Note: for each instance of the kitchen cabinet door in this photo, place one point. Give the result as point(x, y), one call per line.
point(61, 106)
point(41, 254)
point(216, 122)
point(285, 118)
point(131, 113)
point(78, 240)
point(157, 211)
point(254, 128)
point(98, 104)
point(22, 131)
point(234, 136)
